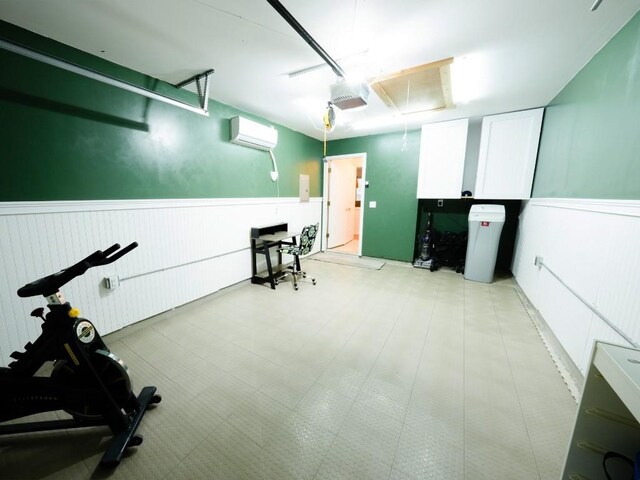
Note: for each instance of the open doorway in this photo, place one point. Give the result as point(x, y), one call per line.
point(342, 202)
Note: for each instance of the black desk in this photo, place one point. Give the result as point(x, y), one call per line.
point(262, 240)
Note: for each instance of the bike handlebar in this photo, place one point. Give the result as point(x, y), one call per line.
point(51, 284)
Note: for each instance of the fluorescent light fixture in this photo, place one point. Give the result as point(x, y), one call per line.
point(469, 79)
point(320, 66)
point(390, 120)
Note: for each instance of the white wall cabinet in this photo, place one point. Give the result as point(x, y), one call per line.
point(607, 418)
point(508, 152)
point(442, 153)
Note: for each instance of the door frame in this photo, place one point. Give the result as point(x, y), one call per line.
point(325, 196)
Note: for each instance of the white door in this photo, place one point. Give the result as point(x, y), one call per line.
point(341, 208)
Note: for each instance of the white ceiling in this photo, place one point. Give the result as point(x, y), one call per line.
point(517, 54)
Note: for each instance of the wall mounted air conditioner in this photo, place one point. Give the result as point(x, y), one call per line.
point(252, 134)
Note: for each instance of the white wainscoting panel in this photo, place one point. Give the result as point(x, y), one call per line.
point(592, 246)
point(40, 238)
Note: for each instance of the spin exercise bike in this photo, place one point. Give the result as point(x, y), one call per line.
point(87, 381)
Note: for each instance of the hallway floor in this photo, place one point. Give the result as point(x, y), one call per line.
point(391, 374)
point(350, 247)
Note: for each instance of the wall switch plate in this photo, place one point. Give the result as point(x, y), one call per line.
point(440, 203)
point(373, 204)
point(112, 283)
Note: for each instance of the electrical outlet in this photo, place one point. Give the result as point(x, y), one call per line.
point(111, 283)
point(440, 203)
point(538, 261)
point(373, 204)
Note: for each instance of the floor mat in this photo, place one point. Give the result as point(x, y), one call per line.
point(351, 260)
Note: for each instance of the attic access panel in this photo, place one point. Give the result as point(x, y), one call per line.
point(417, 89)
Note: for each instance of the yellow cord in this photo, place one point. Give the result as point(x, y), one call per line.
point(327, 125)
point(324, 152)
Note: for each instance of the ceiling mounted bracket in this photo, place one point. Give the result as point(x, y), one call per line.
point(203, 90)
point(28, 52)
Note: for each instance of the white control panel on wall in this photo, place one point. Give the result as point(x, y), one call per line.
point(304, 188)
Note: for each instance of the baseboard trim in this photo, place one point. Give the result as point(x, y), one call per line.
point(627, 208)
point(568, 370)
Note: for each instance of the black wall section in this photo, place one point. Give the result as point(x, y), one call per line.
point(454, 214)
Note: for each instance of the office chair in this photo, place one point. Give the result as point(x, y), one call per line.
point(307, 237)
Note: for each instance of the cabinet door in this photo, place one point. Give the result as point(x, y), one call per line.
point(442, 150)
point(508, 151)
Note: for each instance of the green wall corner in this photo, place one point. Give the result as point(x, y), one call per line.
point(590, 137)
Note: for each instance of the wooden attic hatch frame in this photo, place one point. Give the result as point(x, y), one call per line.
point(417, 89)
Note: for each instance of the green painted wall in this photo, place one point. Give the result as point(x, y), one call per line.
point(66, 137)
point(392, 173)
point(591, 135)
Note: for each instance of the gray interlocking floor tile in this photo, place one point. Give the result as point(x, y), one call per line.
point(398, 373)
point(431, 447)
point(343, 379)
point(51, 455)
point(325, 407)
point(349, 461)
point(225, 454)
point(384, 398)
point(373, 433)
point(297, 449)
point(258, 417)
